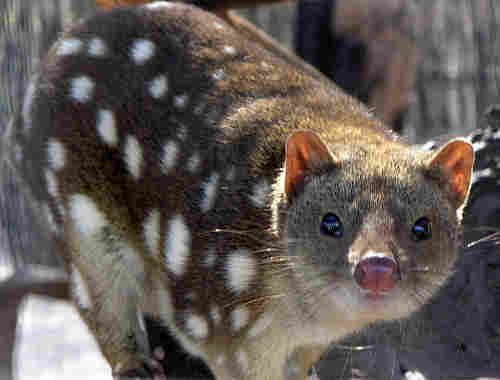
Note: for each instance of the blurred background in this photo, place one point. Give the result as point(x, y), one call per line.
point(429, 68)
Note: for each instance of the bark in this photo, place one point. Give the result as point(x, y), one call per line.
point(458, 76)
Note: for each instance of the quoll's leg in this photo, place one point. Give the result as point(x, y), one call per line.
point(110, 301)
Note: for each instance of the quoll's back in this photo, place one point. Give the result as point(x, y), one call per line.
point(259, 213)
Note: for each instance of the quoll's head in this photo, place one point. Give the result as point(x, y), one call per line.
point(376, 232)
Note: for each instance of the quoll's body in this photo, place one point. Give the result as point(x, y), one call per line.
point(257, 212)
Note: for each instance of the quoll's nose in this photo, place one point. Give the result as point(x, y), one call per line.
point(376, 273)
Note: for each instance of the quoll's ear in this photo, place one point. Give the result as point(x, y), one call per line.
point(305, 153)
point(454, 162)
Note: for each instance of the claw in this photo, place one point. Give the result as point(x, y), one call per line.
point(151, 370)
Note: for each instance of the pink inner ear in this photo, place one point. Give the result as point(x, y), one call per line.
point(305, 152)
point(456, 159)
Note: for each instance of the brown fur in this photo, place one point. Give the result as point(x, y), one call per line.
point(347, 163)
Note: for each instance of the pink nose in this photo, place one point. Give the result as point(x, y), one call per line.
point(376, 274)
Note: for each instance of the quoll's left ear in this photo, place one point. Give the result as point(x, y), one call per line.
point(305, 153)
point(454, 163)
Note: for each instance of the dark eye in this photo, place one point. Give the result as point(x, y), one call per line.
point(332, 226)
point(422, 229)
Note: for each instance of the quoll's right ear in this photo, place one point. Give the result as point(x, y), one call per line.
point(305, 153)
point(452, 166)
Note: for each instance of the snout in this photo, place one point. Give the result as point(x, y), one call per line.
point(376, 274)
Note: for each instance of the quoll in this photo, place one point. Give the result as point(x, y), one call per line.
point(189, 174)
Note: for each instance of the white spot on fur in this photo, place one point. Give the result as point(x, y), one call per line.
point(79, 289)
point(106, 127)
point(239, 318)
point(133, 156)
point(242, 359)
point(215, 314)
point(218, 26)
point(97, 47)
point(194, 163)
point(241, 269)
point(29, 97)
point(85, 215)
point(52, 189)
point(260, 325)
point(82, 89)
point(152, 231)
point(178, 245)
point(158, 87)
point(261, 193)
point(56, 154)
point(229, 49)
point(197, 326)
point(69, 46)
point(142, 50)
point(170, 152)
point(180, 101)
point(209, 189)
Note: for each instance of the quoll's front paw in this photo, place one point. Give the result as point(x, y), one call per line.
point(150, 369)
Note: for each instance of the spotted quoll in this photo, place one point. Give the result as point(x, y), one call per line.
point(191, 175)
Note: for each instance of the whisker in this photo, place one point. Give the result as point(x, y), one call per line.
point(260, 299)
point(419, 269)
point(493, 238)
point(318, 294)
point(353, 348)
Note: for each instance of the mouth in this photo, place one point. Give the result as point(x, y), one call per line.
point(374, 295)
point(375, 300)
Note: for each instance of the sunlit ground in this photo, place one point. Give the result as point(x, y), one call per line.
point(53, 344)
